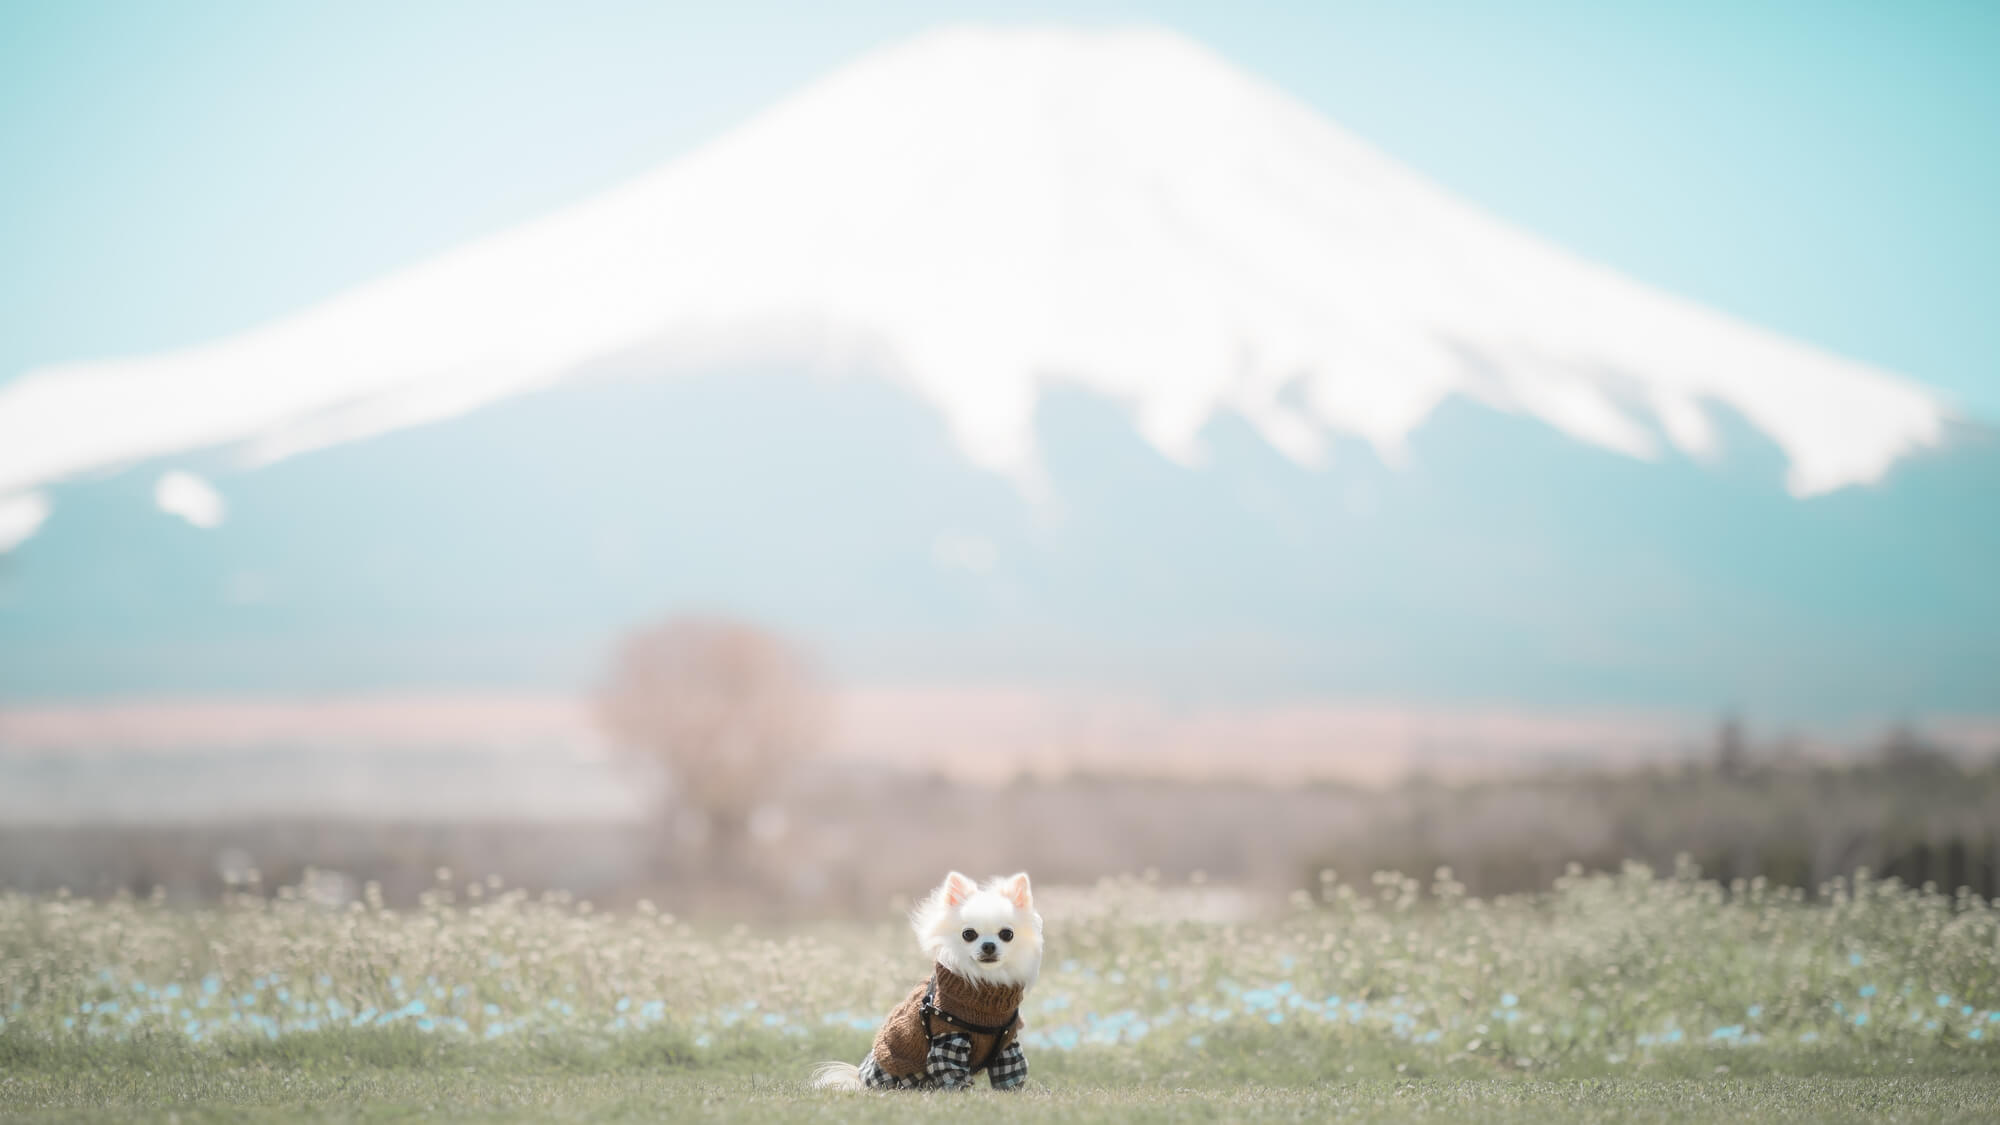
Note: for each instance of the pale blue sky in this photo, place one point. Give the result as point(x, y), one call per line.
point(175, 171)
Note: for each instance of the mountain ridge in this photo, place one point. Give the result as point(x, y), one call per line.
point(983, 214)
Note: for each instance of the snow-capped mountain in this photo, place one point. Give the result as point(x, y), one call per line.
point(1154, 371)
point(981, 214)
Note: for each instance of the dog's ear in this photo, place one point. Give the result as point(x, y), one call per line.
point(956, 888)
point(1015, 888)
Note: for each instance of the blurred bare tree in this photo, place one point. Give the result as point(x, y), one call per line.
point(726, 707)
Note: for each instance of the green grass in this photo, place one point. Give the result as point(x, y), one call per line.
point(1611, 997)
point(217, 1091)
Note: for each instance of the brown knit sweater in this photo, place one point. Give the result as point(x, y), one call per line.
point(903, 1045)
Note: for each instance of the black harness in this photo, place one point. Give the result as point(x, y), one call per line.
point(931, 1010)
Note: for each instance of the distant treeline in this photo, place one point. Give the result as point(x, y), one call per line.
point(1910, 812)
point(848, 842)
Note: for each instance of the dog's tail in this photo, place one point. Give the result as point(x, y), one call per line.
point(836, 1076)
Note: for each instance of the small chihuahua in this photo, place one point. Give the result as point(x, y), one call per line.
point(986, 945)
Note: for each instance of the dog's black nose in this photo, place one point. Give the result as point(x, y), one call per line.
point(987, 947)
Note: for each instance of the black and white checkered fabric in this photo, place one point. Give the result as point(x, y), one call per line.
point(875, 1078)
point(1009, 1068)
point(949, 1067)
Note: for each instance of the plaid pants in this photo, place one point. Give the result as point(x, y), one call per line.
point(949, 1067)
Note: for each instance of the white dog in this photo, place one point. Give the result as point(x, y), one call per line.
point(986, 947)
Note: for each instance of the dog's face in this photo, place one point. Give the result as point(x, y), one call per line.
point(987, 934)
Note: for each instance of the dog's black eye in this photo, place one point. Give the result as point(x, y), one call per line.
point(1006, 935)
point(970, 935)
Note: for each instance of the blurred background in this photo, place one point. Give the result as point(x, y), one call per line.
point(758, 458)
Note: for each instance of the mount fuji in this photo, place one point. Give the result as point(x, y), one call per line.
point(1013, 355)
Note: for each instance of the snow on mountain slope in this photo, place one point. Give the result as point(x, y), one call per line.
point(980, 214)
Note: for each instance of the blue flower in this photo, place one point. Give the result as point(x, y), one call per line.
point(1733, 1031)
point(1861, 1019)
point(1944, 1000)
point(1755, 1011)
point(1867, 990)
point(1854, 959)
point(1508, 1000)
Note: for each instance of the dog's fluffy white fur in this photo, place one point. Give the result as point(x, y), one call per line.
point(957, 907)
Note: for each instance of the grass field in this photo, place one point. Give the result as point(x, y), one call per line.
point(1610, 997)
